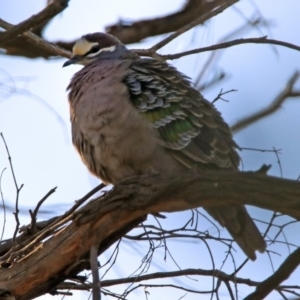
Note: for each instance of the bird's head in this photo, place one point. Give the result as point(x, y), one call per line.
point(95, 46)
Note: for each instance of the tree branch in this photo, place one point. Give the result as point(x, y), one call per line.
point(21, 46)
point(139, 30)
point(127, 204)
point(204, 17)
point(212, 273)
point(41, 47)
point(260, 40)
point(54, 8)
point(285, 94)
point(283, 273)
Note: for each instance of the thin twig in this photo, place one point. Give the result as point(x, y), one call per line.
point(3, 205)
point(18, 189)
point(282, 295)
point(95, 272)
point(260, 40)
point(240, 267)
point(112, 259)
point(213, 272)
point(261, 150)
point(229, 290)
point(278, 161)
point(35, 212)
point(219, 96)
point(84, 198)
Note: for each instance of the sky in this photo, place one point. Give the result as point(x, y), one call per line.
point(34, 118)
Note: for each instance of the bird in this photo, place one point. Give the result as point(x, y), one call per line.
point(134, 116)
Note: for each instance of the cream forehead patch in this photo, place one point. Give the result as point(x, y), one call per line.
point(82, 46)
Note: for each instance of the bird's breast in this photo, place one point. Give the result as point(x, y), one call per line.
point(113, 138)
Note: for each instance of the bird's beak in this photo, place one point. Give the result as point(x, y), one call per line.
point(75, 59)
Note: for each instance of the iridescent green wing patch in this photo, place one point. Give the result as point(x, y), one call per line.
point(188, 124)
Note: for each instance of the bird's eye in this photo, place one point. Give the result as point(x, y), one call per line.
point(94, 49)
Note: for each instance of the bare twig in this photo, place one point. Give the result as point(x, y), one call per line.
point(171, 286)
point(112, 259)
point(282, 295)
point(18, 189)
point(286, 93)
point(278, 160)
point(35, 212)
point(3, 205)
point(230, 290)
point(261, 150)
point(84, 198)
point(159, 275)
point(260, 40)
point(221, 94)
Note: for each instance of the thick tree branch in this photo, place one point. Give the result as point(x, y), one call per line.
point(120, 210)
point(139, 30)
point(54, 8)
point(201, 19)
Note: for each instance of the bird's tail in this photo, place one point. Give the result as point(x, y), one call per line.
point(237, 221)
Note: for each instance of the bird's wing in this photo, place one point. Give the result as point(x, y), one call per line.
point(189, 126)
point(195, 134)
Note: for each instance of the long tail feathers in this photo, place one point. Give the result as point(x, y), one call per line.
point(237, 221)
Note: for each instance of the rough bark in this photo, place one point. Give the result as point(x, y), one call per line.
point(40, 268)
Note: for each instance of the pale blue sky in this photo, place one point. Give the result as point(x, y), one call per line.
point(39, 138)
